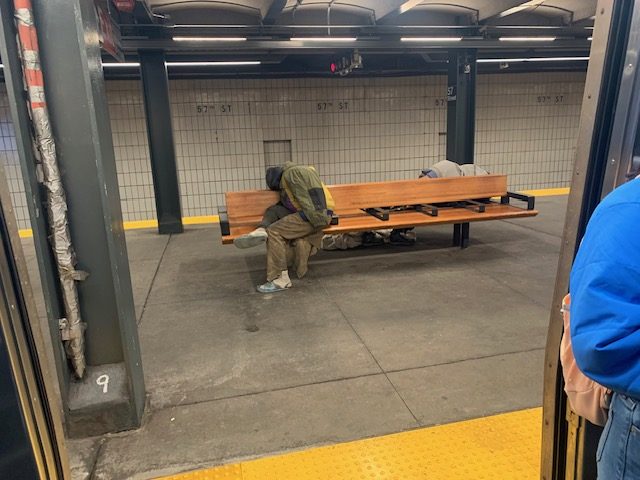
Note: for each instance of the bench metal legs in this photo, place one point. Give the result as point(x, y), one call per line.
point(225, 228)
point(461, 235)
point(464, 241)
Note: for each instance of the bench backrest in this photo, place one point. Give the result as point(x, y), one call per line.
point(248, 204)
point(416, 191)
point(350, 198)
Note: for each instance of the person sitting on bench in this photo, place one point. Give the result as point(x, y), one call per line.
point(305, 208)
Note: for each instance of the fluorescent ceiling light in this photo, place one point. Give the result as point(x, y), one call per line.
point(186, 64)
point(532, 59)
point(212, 64)
point(323, 39)
point(527, 39)
point(121, 65)
point(209, 39)
point(430, 39)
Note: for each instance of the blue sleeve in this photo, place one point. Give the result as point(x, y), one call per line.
point(605, 298)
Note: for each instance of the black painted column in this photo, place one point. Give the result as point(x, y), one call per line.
point(461, 119)
point(112, 394)
point(461, 106)
point(155, 86)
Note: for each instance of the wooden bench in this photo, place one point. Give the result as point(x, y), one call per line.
point(368, 206)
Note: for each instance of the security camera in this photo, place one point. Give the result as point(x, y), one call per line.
point(345, 65)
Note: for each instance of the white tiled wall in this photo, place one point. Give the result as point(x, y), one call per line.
point(10, 161)
point(527, 126)
point(131, 147)
point(352, 130)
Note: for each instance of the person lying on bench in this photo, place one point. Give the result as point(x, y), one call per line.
point(448, 169)
point(305, 208)
point(442, 169)
point(399, 236)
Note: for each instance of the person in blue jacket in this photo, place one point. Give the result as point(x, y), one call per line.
point(605, 323)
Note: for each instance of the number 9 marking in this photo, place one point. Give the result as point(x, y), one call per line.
point(103, 381)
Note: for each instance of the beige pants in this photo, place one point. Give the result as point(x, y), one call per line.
point(280, 236)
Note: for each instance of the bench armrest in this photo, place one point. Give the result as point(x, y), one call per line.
point(225, 228)
point(531, 200)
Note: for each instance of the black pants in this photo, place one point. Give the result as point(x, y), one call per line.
point(273, 214)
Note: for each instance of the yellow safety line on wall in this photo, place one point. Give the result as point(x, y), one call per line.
point(141, 224)
point(505, 447)
point(205, 219)
point(547, 192)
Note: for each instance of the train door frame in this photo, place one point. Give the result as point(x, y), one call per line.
point(33, 442)
point(608, 148)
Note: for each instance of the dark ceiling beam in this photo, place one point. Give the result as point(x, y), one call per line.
point(373, 65)
point(143, 12)
point(301, 47)
point(360, 31)
point(157, 31)
point(305, 71)
point(275, 10)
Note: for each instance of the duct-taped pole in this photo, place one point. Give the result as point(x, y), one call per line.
point(71, 327)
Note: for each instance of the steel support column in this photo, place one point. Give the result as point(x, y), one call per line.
point(461, 106)
point(74, 84)
point(461, 119)
point(155, 86)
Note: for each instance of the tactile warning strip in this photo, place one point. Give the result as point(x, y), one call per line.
point(504, 447)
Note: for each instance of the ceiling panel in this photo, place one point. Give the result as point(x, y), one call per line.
point(212, 11)
point(365, 12)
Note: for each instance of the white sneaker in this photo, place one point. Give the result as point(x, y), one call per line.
point(252, 239)
point(279, 284)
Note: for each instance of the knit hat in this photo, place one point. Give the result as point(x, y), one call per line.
point(274, 174)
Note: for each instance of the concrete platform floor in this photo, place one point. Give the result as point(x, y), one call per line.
point(373, 341)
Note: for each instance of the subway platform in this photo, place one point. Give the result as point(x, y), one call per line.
point(373, 342)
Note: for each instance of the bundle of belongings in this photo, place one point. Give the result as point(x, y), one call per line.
point(401, 236)
point(344, 241)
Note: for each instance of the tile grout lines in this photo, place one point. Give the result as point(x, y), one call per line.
point(371, 353)
point(153, 280)
point(344, 379)
point(92, 473)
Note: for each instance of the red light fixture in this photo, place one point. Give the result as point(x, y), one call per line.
point(125, 5)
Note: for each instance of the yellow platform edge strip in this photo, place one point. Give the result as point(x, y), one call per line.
point(504, 447)
point(205, 219)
